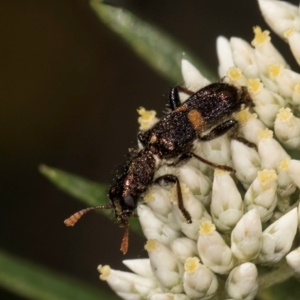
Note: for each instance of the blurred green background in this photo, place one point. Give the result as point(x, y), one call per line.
point(69, 93)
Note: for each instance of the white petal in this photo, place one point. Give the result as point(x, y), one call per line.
point(293, 260)
point(197, 182)
point(195, 208)
point(242, 282)
point(226, 204)
point(153, 228)
point(280, 15)
point(243, 56)
point(262, 194)
point(169, 296)
point(183, 248)
point(198, 281)
point(224, 55)
point(132, 285)
point(287, 128)
point(246, 162)
point(266, 145)
point(165, 266)
point(192, 77)
point(278, 238)
point(294, 171)
point(294, 42)
point(213, 251)
point(139, 266)
point(246, 237)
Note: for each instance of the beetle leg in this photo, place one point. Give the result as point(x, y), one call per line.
point(219, 130)
point(235, 136)
point(223, 128)
point(174, 99)
point(169, 178)
point(216, 166)
point(186, 156)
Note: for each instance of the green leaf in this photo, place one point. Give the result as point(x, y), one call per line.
point(157, 48)
point(35, 282)
point(89, 192)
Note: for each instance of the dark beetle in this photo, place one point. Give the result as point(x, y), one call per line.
point(210, 109)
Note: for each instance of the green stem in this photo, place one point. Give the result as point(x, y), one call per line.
point(277, 276)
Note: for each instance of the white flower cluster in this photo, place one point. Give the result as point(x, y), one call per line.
point(239, 221)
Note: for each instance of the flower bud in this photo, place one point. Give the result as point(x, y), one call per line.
point(236, 77)
point(293, 38)
point(293, 170)
point(246, 162)
point(246, 237)
point(261, 195)
point(153, 228)
point(158, 199)
point(293, 260)
point(213, 251)
point(168, 296)
point(280, 15)
point(285, 79)
point(194, 207)
point(249, 125)
point(242, 282)
point(165, 266)
point(266, 145)
point(267, 103)
point(287, 128)
point(198, 281)
point(243, 56)
point(127, 285)
point(197, 182)
point(192, 77)
point(265, 53)
point(216, 150)
point(139, 266)
point(224, 55)
point(278, 238)
point(183, 248)
point(226, 205)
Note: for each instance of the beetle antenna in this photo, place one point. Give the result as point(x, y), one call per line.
point(71, 221)
point(124, 244)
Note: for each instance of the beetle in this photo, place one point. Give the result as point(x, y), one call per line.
point(211, 109)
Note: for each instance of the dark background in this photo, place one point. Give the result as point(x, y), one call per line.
point(69, 91)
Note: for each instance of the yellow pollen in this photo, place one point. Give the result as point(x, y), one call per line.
point(221, 172)
point(150, 245)
point(284, 164)
point(147, 118)
point(207, 227)
point(297, 88)
point(254, 85)
point(289, 32)
point(191, 264)
point(284, 114)
point(244, 116)
point(264, 134)
point(234, 73)
point(104, 272)
point(149, 197)
point(260, 37)
point(266, 177)
point(274, 70)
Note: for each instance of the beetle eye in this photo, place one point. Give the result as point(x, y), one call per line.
point(129, 201)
